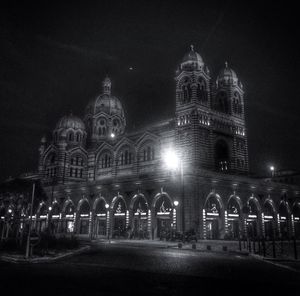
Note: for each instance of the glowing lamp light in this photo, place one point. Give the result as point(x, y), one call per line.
point(107, 206)
point(10, 210)
point(272, 168)
point(50, 208)
point(176, 203)
point(171, 160)
point(112, 135)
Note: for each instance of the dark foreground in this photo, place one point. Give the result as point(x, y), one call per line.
point(127, 270)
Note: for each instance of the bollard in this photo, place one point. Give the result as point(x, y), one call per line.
point(253, 246)
point(224, 248)
point(240, 244)
point(180, 245)
point(194, 246)
point(208, 247)
point(249, 245)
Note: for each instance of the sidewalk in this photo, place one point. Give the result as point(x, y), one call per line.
point(203, 245)
point(46, 259)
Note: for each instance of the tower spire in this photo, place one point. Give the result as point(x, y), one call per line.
point(106, 84)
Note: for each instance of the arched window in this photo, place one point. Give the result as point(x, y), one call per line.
point(201, 90)
point(237, 103)
point(71, 137)
point(50, 165)
point(77, 165)
point(222, 159)
point(125, 157)
point(221, 103)
point(186, 91)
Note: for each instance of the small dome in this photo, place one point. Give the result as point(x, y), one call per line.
point(70, 121)
point(227, 75)
point(192, 59)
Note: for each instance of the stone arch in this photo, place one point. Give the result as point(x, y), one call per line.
point(66, 204)
point(139, 211)
point(162, 215)
point(218, 198)
point(270, 213)
point(115, 199)
point(269, 202)
point(238, 201)
point(135, 198)
point(97, 200)
point(83, 217)
point(120, 217)
point(214, 227)
point(255, 201)
point(81, 202)
point(158, 196)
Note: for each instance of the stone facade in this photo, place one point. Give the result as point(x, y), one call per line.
point(104, 181)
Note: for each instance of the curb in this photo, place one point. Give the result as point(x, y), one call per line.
point(167, 246)
point(12, 259)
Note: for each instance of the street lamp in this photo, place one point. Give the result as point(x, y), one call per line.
point(171, 159)
point(272, 169)
point(107, 220)
point(173, 162)
point(176, 203)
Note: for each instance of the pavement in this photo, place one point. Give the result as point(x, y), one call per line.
point(16, 258)
point(120, 269)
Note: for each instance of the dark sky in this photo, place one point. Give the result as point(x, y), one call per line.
point(53, 58)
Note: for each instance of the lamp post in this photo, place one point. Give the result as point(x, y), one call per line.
point(107, 220)
point(272, 169)
point(174, 163)
point(30, 220)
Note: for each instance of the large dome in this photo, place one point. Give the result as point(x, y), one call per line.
point(106, 103)
point(70, 121)
point(104, 115)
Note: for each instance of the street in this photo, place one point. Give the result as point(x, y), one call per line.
point(113, 269)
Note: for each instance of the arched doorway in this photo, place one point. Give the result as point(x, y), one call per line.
point(234, 225)
point(68, 219)
point(252, 218)
point(54, 216)
point(140, 217)
point(163, 212)
point(41, 222)
point(213, 209)
point(119, 218)
point(296, 215)
point(100, 218)
point(269, 220)
point(84, 212)
point(283, 220)
point(222, 156)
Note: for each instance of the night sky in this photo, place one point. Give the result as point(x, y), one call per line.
point(53, 58)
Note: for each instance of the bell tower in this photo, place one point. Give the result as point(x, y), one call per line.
point(193, 103)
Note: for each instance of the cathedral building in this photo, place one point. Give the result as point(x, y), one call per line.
point(189, 172)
